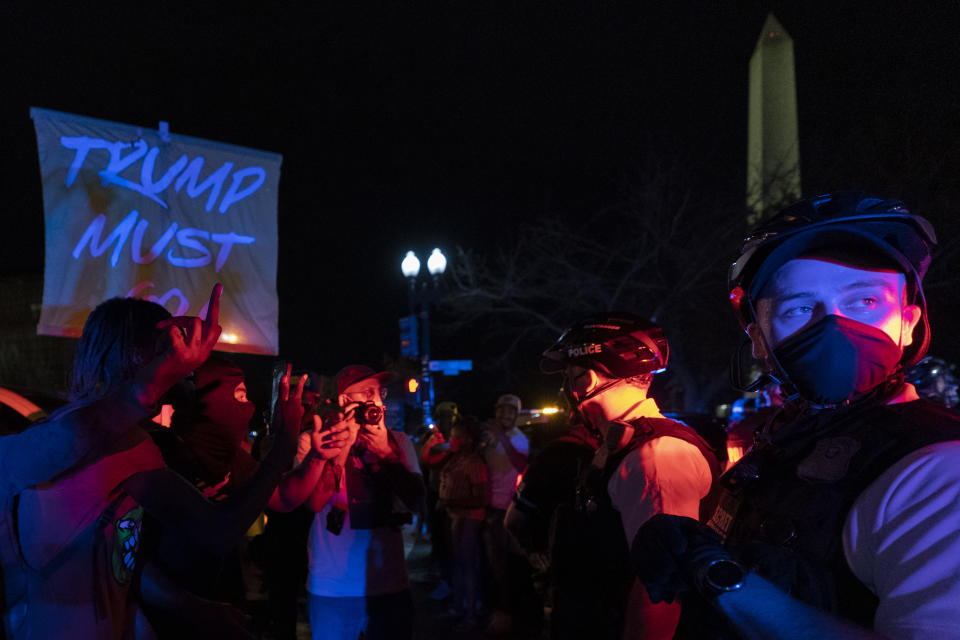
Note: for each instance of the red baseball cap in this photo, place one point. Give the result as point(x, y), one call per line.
point(354, 373)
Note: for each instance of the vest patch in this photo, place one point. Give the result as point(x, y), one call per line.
point(126, 541)
point(722, 519)
point(830, 459)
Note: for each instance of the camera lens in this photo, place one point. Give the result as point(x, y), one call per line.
point(369, 413)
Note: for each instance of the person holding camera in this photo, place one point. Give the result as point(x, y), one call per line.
point(357, 577)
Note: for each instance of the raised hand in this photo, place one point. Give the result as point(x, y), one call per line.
point(374, 437)
point(190, 343)
point(329, 443)
point(192, 340)
point(291, 406)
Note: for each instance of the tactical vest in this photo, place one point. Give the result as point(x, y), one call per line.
point(592, 568)
point(783, 506)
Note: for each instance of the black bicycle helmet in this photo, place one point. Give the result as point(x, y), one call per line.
point(935, 379)
point(846, 220)
point(620, 345)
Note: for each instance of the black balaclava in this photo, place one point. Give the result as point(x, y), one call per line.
point(215, 424)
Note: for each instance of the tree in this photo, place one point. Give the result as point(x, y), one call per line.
point(662, 252)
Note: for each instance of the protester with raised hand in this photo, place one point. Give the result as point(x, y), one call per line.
point(204, 446)
point(103, 412)
point(125, 363)
point(78, 536)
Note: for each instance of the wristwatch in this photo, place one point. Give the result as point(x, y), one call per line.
point(721, 575)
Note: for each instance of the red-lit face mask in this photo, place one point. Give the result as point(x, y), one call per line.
point(836, 359)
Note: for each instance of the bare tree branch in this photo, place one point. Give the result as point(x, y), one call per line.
point(662, 252)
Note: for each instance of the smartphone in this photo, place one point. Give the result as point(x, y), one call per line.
point(279, 370)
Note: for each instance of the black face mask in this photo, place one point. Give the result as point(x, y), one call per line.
point(836, 359)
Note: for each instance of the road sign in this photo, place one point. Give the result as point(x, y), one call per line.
point(451, 367)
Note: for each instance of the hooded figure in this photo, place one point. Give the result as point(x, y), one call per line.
point(208, 429)
point(203, 445)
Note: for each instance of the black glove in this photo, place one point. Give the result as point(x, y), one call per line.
point(671, 553)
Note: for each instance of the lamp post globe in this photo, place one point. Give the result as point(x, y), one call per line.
point(410, 265)
point(436, 263)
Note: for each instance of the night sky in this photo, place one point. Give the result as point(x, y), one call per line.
point(446, 124)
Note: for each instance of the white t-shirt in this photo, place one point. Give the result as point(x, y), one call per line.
point(664, 475)
point(502, 476)
point(902, 540)
point(358, 562)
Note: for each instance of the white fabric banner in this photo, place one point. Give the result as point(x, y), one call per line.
point(131, 211)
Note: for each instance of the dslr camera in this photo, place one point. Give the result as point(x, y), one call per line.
point(368, 413)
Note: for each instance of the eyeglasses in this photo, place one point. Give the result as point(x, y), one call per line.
point(368, 395)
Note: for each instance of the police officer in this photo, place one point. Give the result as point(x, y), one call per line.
point(645, 464)
point(843, 521)
point(936, 379)
point(549, 484)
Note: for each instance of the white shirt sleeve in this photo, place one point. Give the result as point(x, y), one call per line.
point(902, 540)
point(520, 442)
point(664, 475)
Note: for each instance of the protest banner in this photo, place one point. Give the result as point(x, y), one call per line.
point(144, 213)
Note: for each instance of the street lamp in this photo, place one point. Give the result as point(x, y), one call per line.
point(436, 263)
point(422, 295)
point(411, 265)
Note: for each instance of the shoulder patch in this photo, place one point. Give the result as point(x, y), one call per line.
point(830, 459)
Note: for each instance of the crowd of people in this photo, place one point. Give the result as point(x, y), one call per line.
point(475, 467)
point(841, 520)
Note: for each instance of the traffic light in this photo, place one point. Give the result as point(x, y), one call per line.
point(409, 343)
